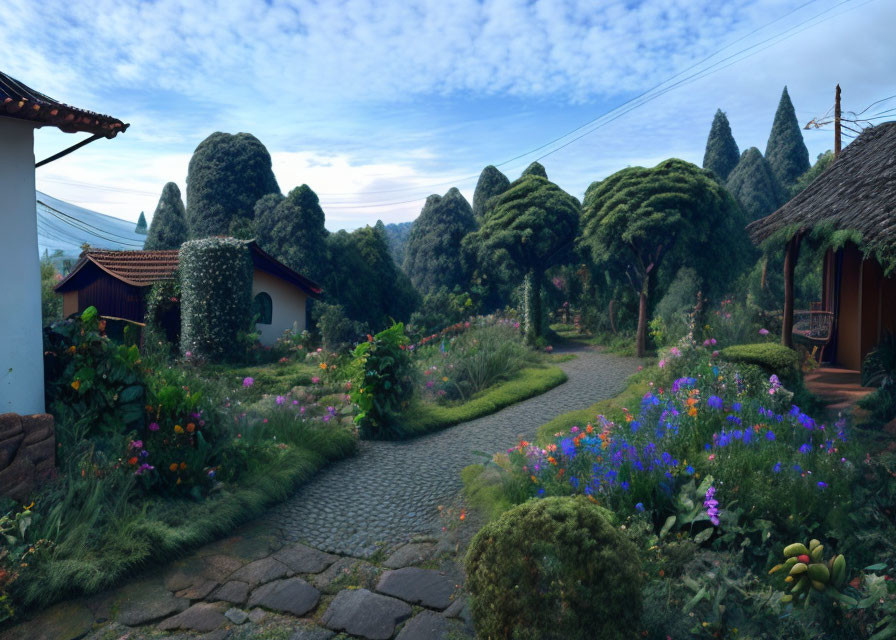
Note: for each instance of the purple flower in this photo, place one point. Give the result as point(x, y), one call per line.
point(280, 400)
point(153, 426)
point(136, 444)
point(248, 382)
point(714, 402)
point(822, 485)
point(712, 506)
point(763, 332)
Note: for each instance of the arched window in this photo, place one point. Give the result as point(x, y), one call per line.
point(262, 306)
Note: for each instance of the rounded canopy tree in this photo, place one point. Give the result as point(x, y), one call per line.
point(674, 213)
point(292, 230)
point(535, 223)
point(168, 229)
point(431, 254)
point(227, 175)
point(491, 183)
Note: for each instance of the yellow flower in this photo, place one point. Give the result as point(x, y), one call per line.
point(445, 379)
point(72, 349)
point(323, 365)
point(76, 385)
point(178, 429)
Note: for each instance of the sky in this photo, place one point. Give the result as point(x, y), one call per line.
point(377, 104)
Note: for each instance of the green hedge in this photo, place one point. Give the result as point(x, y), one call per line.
point(424, 418)
point(773, 358)
point(216, 285)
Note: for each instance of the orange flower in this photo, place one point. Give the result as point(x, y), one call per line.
point(692, 412)
point(76, 385)
point(523, 443)
point(323, 365)
point(72, 349)
point(183, 466)
point(533, 479)
point(132, 461)
point(589, 429)
point(173, 466)
point(552, 460)
point(191, 427)
point(463, 515)
point(178, 429)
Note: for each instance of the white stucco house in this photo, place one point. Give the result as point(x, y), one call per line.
point(22, 110)
point(116, 283)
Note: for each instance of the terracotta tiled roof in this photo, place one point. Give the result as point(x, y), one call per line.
point(21, 101)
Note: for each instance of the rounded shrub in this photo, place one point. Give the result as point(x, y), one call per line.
point(554, 568)
point(773, 358)
point(216, 297)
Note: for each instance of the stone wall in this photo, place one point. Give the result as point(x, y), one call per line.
point(27, 453)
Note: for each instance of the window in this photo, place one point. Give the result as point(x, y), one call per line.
point(262, 306)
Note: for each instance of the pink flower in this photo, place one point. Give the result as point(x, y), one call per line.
point(280, 400)
point(640, 367)
point(763, 332)
point(248, 382)
point(662, 364)
point(315, 380)
point(188, 354)
point(153, 426)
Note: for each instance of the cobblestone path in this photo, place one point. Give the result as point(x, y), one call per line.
point(391, 490)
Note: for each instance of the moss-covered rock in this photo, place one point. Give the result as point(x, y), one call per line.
point(554, 568)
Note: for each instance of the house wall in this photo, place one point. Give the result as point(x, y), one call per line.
point(849, 319)
point(110, 296)
point(287, 309)
point(21, 341)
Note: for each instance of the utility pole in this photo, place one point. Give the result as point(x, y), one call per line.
point(837, 123)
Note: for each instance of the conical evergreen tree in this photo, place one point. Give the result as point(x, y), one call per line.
point(141, 225)
point(535, 169)
point(721, 154)
point(491, 183)
point(431, 257)
point(227, 175)
point(786, 152)
point(168, 229)
point(754, 185)
point(292, 230)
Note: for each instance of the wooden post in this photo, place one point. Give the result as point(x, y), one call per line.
point(837, 123)
point(642, 319)
point(790, 257)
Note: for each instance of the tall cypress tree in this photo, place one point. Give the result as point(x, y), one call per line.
point(753, 184)
point(721, 154)
point(141, 225)
point(491, 183)
point(431, 257)
point(786, 152)
point(168, 229)
point(292, 230)
point(227, 175)
point(535, 169)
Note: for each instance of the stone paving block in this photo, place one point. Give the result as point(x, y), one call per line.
point(312, 632)
point(409, 554)
point(346, 572)
point(293, 595)
point(203, 616)
point(146, 601)
point(234, 592)
point(362, 613)
point(236, 616)
point(302, 559)
point(261, 571)
point(428, 625)
point(257, 615)
point(426, 587)
point(64, 621)
point(198, 591)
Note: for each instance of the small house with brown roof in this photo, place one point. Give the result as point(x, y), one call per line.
point(850, 209)
point(116, 283)
point(22, 110)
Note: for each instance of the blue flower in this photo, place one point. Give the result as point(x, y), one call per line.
point(568, 447)
point(736, 407)
point(769, 435)
point(624, 485)
point(640, 506)
point(822, 485)
point(689, 470)
point(777, 467)
point(805, 448)
point(714, 402)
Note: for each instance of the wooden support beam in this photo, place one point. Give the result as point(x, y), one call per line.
point(790, 257)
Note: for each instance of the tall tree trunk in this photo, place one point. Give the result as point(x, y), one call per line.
point(642, 319)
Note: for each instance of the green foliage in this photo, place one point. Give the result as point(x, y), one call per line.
point(441, 309)
point(553, 568)
point(534, 223)
point(823, 161)
point(93, 386)
point(141, 225)
point(364, 279)
point(227, 175)
point(168, 229)
point(671, 315)
point(431, 255)
point(337, 332)
point(879, 366)
point(721, 153)
point(535, 169)
point(216, 283)
point(755, 186)
point(163, 316)
point(383, 383)
point(292, 230)
point(491, 183)
point(772, 357)
point(786, 151)
point(397, 234)
point(50, 301)
point(527, 383)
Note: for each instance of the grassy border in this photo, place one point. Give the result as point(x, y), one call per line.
point(530, 382)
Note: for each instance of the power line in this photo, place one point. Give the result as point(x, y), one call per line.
point(86, 227)
point(780, 37)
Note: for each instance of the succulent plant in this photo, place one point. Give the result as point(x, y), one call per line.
point(807, 571)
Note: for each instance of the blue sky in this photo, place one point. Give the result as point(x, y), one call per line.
point(377, 104)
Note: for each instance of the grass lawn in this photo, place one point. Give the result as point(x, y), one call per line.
point(268, 378)
point(622, 344)
point(425, 418)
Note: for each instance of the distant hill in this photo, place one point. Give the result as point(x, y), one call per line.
point(64, 227)
point(397, 234)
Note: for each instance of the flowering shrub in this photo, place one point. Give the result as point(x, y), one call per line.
point(216, 283)
point(383, 383)
point(90, 378)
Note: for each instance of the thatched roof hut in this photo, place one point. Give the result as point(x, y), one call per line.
point(856, 193)
point(850, 208)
